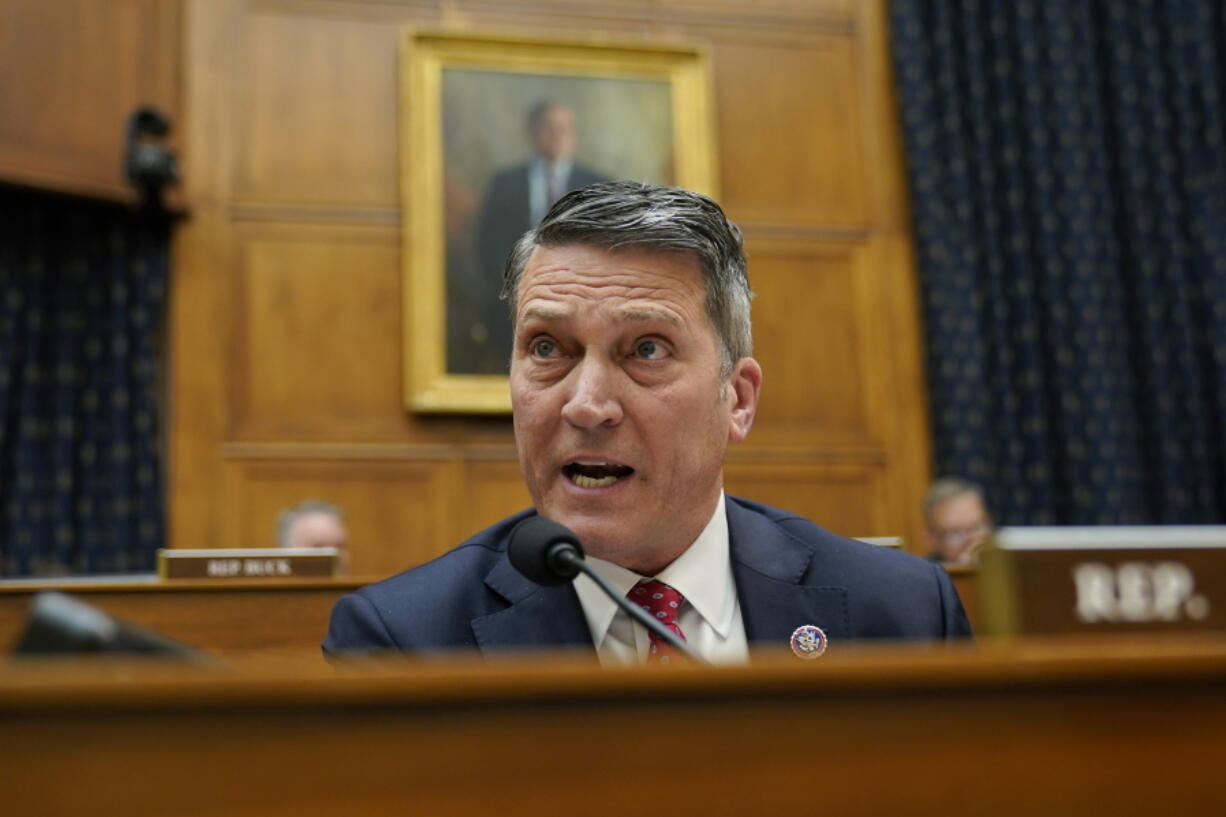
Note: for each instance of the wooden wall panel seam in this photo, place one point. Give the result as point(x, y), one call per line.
point(241, 211)
point(289, 213)
point(471, 452)
point(799, 15)
point(362, 451)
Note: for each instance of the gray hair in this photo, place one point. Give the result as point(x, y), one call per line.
point(947, 488)
point(291, 515)
point(625, 215)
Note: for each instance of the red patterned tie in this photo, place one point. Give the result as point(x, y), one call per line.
point(663, 603)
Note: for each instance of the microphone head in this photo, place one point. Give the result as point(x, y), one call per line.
point(534, 546)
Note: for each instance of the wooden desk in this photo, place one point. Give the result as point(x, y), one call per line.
point(240, 615)
point(1111, 728)
point(222, 617)
point(966, 582)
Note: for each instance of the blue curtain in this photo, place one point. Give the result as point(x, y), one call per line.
point(82, 289)
point(1068, 171)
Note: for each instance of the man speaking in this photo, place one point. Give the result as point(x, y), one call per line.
point(631, 373)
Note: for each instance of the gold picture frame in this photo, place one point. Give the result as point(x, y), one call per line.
point(474, 109)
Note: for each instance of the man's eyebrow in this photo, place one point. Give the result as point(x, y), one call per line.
point(647, 315)
point(633, 315)
point(543, 313)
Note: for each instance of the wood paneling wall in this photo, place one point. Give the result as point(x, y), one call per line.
point(74, 70)
point(286, 327)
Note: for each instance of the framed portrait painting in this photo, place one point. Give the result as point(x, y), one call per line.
point(494, 130)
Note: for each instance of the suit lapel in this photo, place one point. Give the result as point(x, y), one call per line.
point(768, 564)
point(537, 616)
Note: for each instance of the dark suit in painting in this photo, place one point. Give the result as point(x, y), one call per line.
point(505, 215)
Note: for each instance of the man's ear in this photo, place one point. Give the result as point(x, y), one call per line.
point(744, 386)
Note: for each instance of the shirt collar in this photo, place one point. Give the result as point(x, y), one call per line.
point(702, 574)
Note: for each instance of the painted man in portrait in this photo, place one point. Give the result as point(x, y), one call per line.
point(515, 200)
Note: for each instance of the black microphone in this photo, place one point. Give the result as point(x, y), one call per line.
point(544, 551)
point(551, 554)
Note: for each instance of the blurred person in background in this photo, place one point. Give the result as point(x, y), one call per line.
point(315, 524)
point(956, 521)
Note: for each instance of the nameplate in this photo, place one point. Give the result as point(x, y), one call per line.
point(1086, 580)
point(247, 563)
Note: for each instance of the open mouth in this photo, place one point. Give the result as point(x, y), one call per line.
point(595, 474)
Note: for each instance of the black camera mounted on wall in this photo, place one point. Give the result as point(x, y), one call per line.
point(148, 164)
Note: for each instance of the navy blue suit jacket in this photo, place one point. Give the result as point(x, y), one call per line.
point(788, 572)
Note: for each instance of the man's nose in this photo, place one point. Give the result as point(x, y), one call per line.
point(594, 399)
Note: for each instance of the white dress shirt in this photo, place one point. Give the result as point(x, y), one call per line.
point(710, 617)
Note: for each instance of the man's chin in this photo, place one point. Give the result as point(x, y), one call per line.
point(601, 537)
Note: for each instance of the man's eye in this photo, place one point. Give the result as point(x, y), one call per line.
point(543, 347)
point(649, 350)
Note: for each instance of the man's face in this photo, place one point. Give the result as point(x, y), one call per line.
point(621, 418)
point(554, 136)
point(958, 527)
